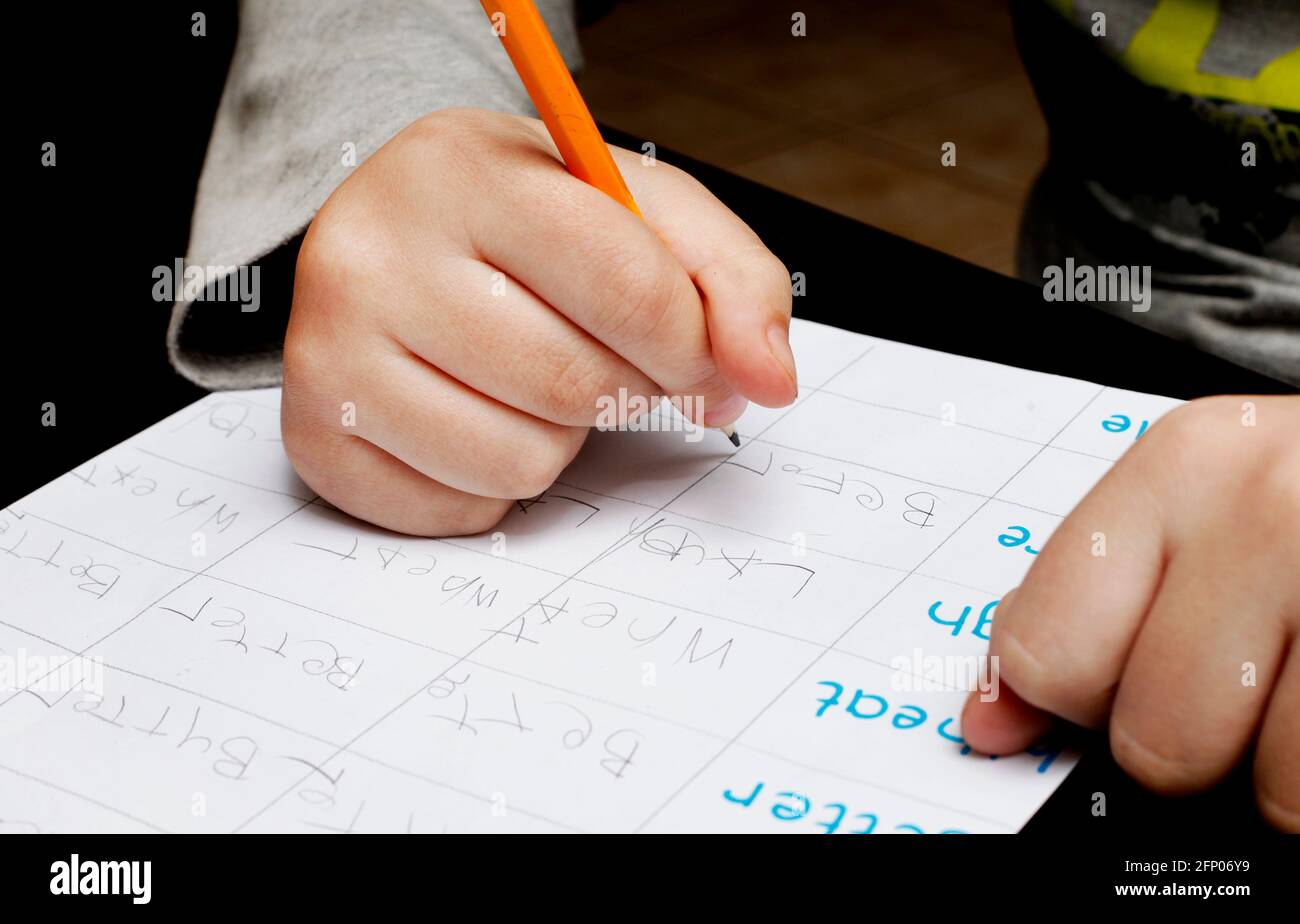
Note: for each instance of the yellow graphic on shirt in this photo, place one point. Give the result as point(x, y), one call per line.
point(1165, 51)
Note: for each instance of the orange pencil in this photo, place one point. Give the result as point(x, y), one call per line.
point(550, 86)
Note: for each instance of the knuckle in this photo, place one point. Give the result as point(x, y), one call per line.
point(296, 432)
point(1036, 675)
point(1020, 666)
point(455, 126)
point(570, 395)
point(345, 249)
point(305, 392)
point(1173, 452)
point(472, 515)
point(298, 359)
point(310, 363)
point(1188, 424)
point(1273, 498)
point(533, 468)
point(296, 440)
point(775, 276)
point(303, 446)
point(1284, 817)
point(323, 249)
point(774, 266)
point(763, 272)
point(707, 389)
point(1159, 772)
point(463, 141)
point(679, 177)
point(1280, 483)
point(638, 289)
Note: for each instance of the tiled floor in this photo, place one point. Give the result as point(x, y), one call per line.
point(851, 115)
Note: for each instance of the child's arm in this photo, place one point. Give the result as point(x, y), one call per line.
point(462, 305)
point(1181, 638)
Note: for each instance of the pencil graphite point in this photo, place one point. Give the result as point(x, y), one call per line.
point(732, 435)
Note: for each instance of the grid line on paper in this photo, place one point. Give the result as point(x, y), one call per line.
point(931, 484)
point(958, 423)
point(111, 545)
point(217, 398)
point(748, 532)
point(368, 758)
point(195, 468)
point(513, 674)
point(233, 707)
point(208, 567)
point(861, 781)
point(618, 543)
point(468, 793)
point(810, 390)
point(833, 646)
point(440, 651)
point(197, 694)
point(535, 567)
point(361, 755)
point(189, 577)
point(693, 610)
point(84, 798)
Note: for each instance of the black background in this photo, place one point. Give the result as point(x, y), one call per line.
point(128, 95)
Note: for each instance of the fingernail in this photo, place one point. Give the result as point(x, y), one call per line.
point(778, 341)
point(725, 411)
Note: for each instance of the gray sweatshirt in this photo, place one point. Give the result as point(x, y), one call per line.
point(308, 78)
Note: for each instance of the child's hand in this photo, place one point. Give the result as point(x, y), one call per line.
point(461, 302)
point(1182, 637)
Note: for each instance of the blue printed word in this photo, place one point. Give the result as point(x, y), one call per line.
point(871, 706)
point(1119, 423)
point(793, 806)
point(1017, 536)
point(979, 630)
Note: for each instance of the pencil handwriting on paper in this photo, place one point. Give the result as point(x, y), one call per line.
point(917, 508)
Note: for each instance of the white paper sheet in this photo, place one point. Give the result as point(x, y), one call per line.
point(676, 637)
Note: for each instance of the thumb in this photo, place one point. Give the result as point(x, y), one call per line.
point(746, 297)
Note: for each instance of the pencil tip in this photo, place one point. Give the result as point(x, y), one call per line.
point(735, 438)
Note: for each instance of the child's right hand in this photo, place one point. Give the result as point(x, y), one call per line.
point(461, 302)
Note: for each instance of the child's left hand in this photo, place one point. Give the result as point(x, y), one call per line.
point(1182, 635)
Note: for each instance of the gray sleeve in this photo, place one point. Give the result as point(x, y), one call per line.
point(309, 77)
